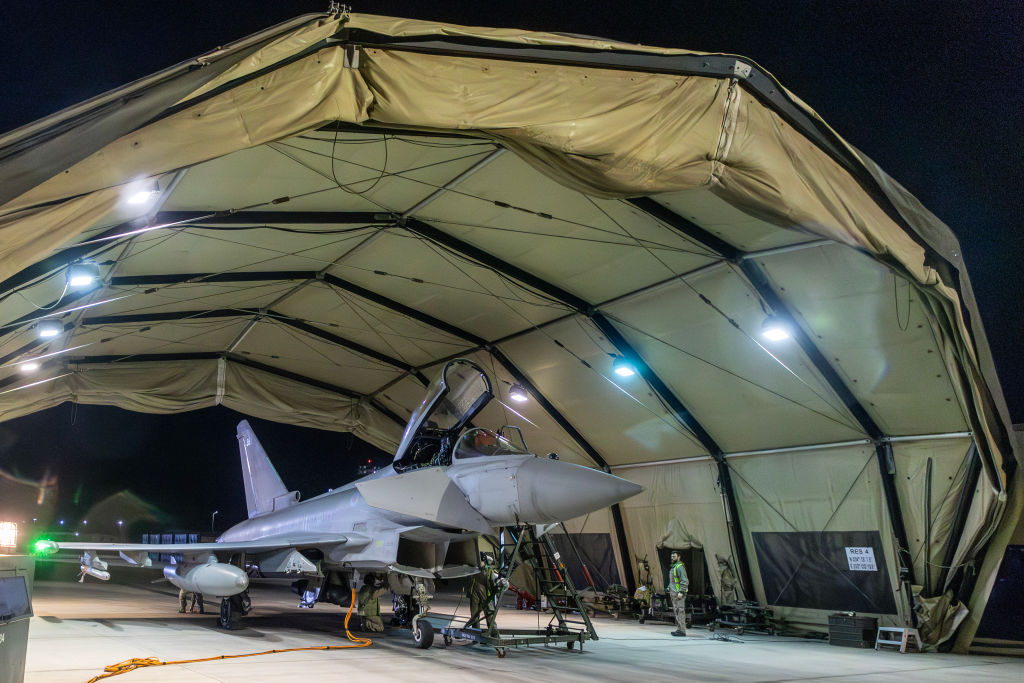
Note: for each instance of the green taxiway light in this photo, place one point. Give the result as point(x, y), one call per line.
point(44, 547)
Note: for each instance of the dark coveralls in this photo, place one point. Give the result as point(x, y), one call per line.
point(369, 607)
point(481, 597)
point(183, 598)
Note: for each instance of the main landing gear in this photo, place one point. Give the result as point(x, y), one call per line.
point(232, 609)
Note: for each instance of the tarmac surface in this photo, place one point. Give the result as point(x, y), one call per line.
point(82, 628)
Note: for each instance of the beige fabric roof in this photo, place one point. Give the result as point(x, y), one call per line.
point(345, 202)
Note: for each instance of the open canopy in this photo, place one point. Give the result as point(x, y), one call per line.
point(308, 224)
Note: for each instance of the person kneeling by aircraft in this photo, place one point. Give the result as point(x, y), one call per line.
point(369, 603)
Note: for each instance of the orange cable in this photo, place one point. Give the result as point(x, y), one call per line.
point(140, 662)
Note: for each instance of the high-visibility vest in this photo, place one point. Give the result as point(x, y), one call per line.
point(677, 581)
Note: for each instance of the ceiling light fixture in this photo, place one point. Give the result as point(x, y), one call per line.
point(83, 274)
point(48, 329)
point(775, 329)
point(622, 367)
point(518, 393)
point(29, 367)
point(141, 193)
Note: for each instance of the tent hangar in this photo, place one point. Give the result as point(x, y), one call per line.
point(303, 225)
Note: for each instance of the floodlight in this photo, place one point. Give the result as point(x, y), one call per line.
point(83, 274)
point(775, 329)
point(48, 329)
point(29, 367)
point(8, 535)
point(622, 367)
point(518, 393)
point(140, 193)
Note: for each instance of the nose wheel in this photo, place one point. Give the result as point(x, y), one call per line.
point(423, 634)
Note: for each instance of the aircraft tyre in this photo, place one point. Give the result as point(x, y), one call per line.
point(231, 611)
point(423, 634)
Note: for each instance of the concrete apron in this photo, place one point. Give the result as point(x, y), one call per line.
point(81, 628)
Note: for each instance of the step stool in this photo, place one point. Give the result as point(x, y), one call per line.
point(898, 637)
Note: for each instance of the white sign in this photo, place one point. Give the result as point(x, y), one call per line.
point(861, 559)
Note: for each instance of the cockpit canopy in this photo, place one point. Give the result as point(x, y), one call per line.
point(458, 393)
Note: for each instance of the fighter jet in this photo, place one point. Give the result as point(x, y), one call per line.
point(415, 520)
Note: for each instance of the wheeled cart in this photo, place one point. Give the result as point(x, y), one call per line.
point(569, 622)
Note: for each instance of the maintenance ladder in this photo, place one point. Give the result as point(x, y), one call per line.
point(538, 551)
point(569, 621)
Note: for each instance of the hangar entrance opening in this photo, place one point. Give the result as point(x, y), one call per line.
point(668, 265)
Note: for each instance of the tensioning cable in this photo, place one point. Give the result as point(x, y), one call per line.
point(140, 662)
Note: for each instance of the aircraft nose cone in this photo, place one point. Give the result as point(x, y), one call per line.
point(554, 491)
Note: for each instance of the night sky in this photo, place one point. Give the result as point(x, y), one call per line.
point(929, 90)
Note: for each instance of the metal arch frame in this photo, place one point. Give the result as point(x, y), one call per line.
point(761, 84)
point(647, 205)
point(759, 280)
point(489, 260)
point(478, 342)
point(260, 315)
point(752, 270)
point(419, 316)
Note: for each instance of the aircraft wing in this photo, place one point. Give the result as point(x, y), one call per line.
point(259, 546)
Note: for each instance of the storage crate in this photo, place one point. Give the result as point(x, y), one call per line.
point(852, 631)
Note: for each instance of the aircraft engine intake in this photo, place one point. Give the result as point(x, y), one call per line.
point(211, 578)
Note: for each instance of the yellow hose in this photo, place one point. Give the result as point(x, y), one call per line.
point(139, 662)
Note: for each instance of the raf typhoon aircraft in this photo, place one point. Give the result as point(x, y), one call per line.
point(415, 520)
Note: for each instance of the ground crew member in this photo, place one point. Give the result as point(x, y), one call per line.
point(645, 590)
point(677, 587)
point(483, 593)
point(183, 601)
point(369, 603)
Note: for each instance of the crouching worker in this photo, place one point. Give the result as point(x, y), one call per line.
point(196, 602)
point(369, 603)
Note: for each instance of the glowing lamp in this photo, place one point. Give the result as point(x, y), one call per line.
point(83, 274)
point(518, 393)
point(29, 367)
point(622, 367)
point(775, 329)
point(48, 329)
point(141, 193)
point(44, 547)
point(8, 534)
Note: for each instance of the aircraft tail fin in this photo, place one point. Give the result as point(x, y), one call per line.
point(264, 490)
